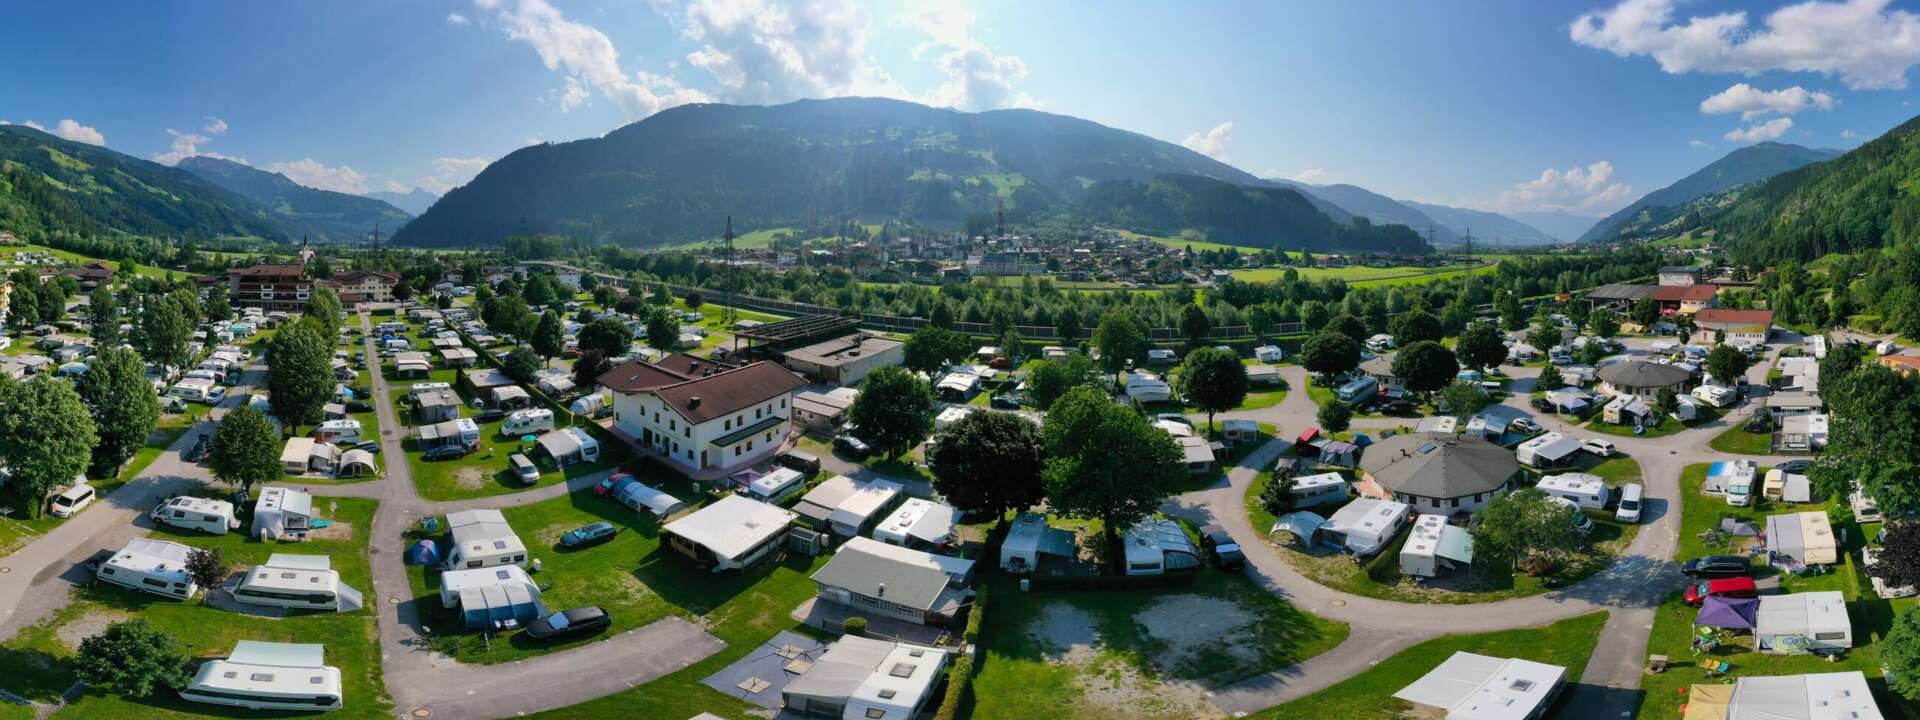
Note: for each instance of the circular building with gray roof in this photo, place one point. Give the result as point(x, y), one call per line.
point(1437, 473)
point(1642, 378)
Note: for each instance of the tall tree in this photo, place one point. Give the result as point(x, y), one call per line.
point(1524, 523)
point(1727, 363)
point(1900, 652)
point(588, 368)
point(1120, 339)
point(164, 331)
point(1550, 379)
point(1213, 380)
point(246, 449)
point(663, 328)
point(103, 318)
point(1425, 366)
point(608, 335)
point(1603, 323)
point(1067, 323)
point(1874, 424)
point(930, 349)
point(1480, 346)
point(1106, 462)
point(132, 658)
point(510, 315)
point(894, 410)
point(1330, 353)
point(1195, 325)
point(521, 364)
point(548, 339)
point(1048, 379)
point(1645, 313)
point(1414, 326)
point(300, 372)
point(1350, 326)
point(219, 305)
point(1335, 416)
point(1544, 336)
point(989, 463)
point(324, 306)
point(46, 436)
point(124, 409)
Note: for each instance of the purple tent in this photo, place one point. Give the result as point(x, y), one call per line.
point(1723, 612)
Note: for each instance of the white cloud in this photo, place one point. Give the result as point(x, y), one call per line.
point(977, 77)
point(1311, 176)
point(761, 51)
point(588, 59)
point(452, 172)
point(214, 126)
point(1849, 134)
point(1213, 142)
point(1752, 102)
point(1769, 130)
point(1862, 42)
point(1586, 190)
point(69, 129)
point(392, 186)
point(454, 18)
point(1699, 144)
point(314, 174)
point(186, 145)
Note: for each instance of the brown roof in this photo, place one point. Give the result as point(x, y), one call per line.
point(1685, 293)
point(270, 270)
point(354, 276)
point(1731, 317)
point(633, 376)
point(685, 364)
point(719, 394)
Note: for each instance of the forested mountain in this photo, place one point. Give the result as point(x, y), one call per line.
point(1380, 209)
point(1861, 200)
point(415, 201)
point(1653, 214)
point(675, 175)
point(319, 215)
point(1560, 224)
point(1488, 228)
point(47, 184)
point(1267, 217)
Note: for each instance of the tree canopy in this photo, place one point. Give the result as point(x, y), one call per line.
point(132, 658)
point(246, 449)
point(1524, 523)
point(1048, 379)
point(123, 406)
point(1414, 326)
point(1106, 461)
point(894, 411)
point(1330, 353)
point(1120, 339)
point(1213, 380)
point(1727, 363)
point(1425, 366)
point(608, 335)
point(548, 338)
point(989, 463)
point(300, 372)
point(46, 436)
point(931, 349)
point(1480, 346)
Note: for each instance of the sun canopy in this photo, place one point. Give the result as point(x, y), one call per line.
point(1732, 613)
point(1302, 524)
point(1708, 702)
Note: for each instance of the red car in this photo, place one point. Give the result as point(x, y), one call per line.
point(606, 486)
point(1734, 587)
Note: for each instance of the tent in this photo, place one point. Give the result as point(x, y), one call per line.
point(1344, 454)
point(356, 463)
point(423, 553)
point(1303, 525)
point(1725, 612)
point(1801, 538)
point(1708, 702)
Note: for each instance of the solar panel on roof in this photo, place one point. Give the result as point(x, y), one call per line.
point(1427, 448)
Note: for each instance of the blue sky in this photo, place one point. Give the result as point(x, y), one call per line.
point(1515, 106)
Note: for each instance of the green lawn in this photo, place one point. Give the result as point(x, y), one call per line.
point(1369, 695)
point(1667, 425)
point(1737, 440)
point(1362, 276)
point(1020, 675)
point(35, 660)
point(1183, 243)
point(1483, 583)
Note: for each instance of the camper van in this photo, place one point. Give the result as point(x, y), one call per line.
point(200, 390)
point(73, 499)
point(298, 582)
point(1311, 491)
point(1587, 492)
point(338, 432)
point(527, 422)
point(1740, 489)
point(777, 485)
point(1357, 388)
point(195, 513)
point(1714, 395)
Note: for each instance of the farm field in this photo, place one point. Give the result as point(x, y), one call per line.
point(1365, 276)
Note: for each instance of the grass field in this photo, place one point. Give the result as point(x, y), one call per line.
point(1738, 441)
point(1366, 276)
point(1369, 695)
point(1182, 243)
point(35, 661)
point(1023, 674)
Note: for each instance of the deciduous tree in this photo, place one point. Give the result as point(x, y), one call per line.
point(1480, 346)
point(1106, 462)
point(246, 450)
point(1425, 366)
point(1120, 339)
point(1048, 379)
point(663, 329)
point(164, 331)
point(1521, 524)
point(521, 364)
point(46, 436)
point(548, 339)
point(1414, 326)
point(1727, 364)
point(103, 318)
point(123, 408)
point(894, 411)
point(206, 567)
point(989, 463)
point(132, 658)
point(1214, 381)
point(1335, 416)
point(1195, 325)
point(930, 349)
point(1330, 353)
point(300, 372)
point(608, 335)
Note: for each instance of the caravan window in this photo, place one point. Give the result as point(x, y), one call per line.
point(1830, 636)
point(153, 582)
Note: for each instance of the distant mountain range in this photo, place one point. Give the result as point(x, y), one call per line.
point(1860, 200)
point(1559, 224)
point(319, 215)
point(1664, 211)
point(47, 183)
point(1379, 209)
point(1487, 228)
point(415, 201)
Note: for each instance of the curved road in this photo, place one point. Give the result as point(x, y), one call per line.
point(1630, 589)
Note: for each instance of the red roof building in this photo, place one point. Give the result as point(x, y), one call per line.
point(705, 419)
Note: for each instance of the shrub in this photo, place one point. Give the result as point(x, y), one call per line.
point(855, 625)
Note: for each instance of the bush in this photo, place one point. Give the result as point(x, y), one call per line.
point(960, 676)
point(856, 626)
point(1384, 568)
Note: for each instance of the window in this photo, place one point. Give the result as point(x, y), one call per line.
point(153, 582)
point(1456, 502)
point(887, 694)
point(1830, 636)
point(876, 713)
point(726, 424)
point(901, 670)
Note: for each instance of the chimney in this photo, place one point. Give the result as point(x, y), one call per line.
point(693, 402)
point(883, 591)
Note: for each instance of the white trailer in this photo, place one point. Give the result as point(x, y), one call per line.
point(196, 513)
point(151, 566)
point(527, 422)
point(300, 582)
point(1588, 492)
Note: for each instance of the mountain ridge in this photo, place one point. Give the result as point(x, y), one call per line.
point(1655, 210)
point(413, 202)
point(1489, 228)
point(52, 183)
point(320, 215)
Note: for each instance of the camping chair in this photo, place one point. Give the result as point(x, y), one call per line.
point(1715, 668)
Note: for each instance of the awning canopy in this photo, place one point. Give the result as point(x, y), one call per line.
point(1723, 612)
point(1302, 524)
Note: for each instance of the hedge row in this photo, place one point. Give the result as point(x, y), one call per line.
point(960, 676)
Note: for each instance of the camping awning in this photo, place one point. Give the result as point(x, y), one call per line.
point(1723, 612)
point(1455, 544)
point(1303, 524)
point(1708, 702)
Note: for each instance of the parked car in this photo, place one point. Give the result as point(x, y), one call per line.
point(489, 415)
point(372, 446)
point(1602, 448)
point(1542, 405)
point(588, 535)
point(202, 444)
point(1005, 401)
point(1794, 467)
point(447, 452)
point(1717, 566)
point(1732, 587)
point(800, 460)
point(605, 487)
point(854, 446)
point(1221, 546)
point(523, 468)
point(578, 621)
point(1523, 425)
point(359, 406)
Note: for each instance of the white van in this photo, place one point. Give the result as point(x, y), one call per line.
point(1603, 448)
point(523, 468)
point(72, 500)
point(527, 422)
point(338, 432)
point(1629, 508)
point(1740, 490)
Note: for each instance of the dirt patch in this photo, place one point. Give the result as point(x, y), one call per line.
point(550, 535)
point(224, 600)
point(1112, 686)
point(88, 625)
point(470, 478)
point(336, 531)
point(1200, 633)
point(633, 587)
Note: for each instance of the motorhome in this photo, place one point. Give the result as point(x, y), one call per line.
point(1311, 491)
point(200, 390)
point(1360, 387)
point(1740, 489)
point(527, 422)
point(299, 582)
point(1714, 395)
point(196, 513)
point(268, 676)
point(482, 538)
point(1588, 492)
point(777, 485)
point(151, 566)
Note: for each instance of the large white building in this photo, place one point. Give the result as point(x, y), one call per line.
point(699, 422)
